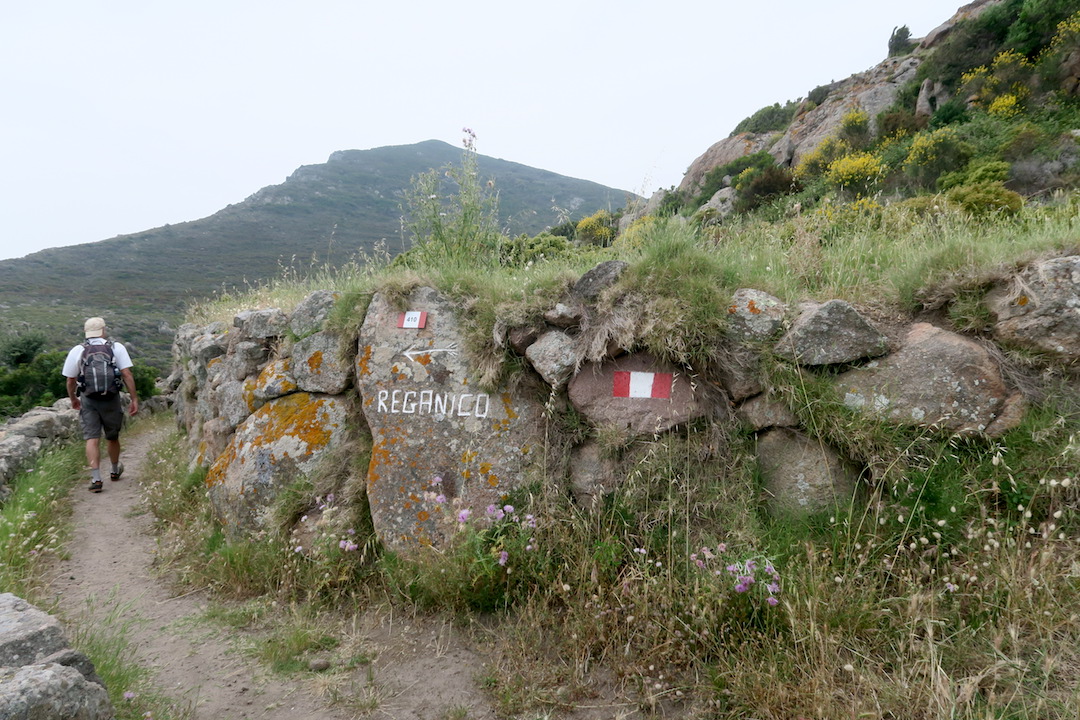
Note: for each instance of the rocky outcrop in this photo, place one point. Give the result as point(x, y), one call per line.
point(721, 153)
point(447, 446)
point(280, 442)
point(41, 676)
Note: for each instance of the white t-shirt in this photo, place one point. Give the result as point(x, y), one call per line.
point(74, 357)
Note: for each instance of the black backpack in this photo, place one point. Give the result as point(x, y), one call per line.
point(98, 374)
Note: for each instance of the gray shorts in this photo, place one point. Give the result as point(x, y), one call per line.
point(101, 414)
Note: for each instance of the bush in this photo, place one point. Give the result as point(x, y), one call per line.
point(935, 153)
point(953, 112)
point(897, 122)
point(524, 250)
point(714, 179)
point(858, 172)
point(978, 172)
point(16, 350)
point(768, 119)
point(855, 129)
point(818, 94)
point(817, 161)
point(756, 187)
point(986, 198)
point(1037, 25)
point(597, 229)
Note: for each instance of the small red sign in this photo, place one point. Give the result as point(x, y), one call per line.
point(412, 320)
point(642, 385)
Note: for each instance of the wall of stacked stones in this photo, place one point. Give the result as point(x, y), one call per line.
point(265, 398)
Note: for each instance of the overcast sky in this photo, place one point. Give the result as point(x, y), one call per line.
point(122, 116)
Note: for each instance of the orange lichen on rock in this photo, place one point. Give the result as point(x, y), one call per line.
point(362, 360)
point(315, 361)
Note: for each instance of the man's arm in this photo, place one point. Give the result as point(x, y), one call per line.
point(129, 383)
point(72, 391)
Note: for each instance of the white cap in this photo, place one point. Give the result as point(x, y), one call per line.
point(94, 327)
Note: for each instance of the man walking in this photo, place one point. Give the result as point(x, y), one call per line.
point(95, 371)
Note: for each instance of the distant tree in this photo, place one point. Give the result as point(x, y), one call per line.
point(900, 41)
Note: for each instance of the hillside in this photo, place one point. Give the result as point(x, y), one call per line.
point(325, 213)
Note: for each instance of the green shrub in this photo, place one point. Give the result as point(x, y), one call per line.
point(986, 198)
point(950, 113)
point(935, 153)
point(979, 171)
point(818, 94)
point(768, 119)
point(714, 179)
point(897, 122)
point(523, 250)
point(1037, 24)
point(756, 187)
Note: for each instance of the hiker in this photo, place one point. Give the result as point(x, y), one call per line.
point(95, 371)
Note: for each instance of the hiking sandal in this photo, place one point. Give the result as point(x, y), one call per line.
point(95, 486)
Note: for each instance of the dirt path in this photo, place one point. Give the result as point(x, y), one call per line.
point(109, 567)
point(422, 668)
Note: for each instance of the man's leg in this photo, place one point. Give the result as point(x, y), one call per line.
point(114, 451)
point(114, 458)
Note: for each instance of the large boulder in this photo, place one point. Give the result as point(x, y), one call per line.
point(279, 443)
point(1039, 309)
point(443, 446)
point(637, 394)
point(937, 378)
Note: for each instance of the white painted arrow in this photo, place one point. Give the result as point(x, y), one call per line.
point(413, 354)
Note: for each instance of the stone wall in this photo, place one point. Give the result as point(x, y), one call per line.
point(266, 398)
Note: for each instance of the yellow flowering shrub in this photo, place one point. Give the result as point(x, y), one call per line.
point(1066, 37)
point(935, 152)
point(817, 161)
point(855, 128)
point(1005, 106)
point(858, 172)
point(1008, 76)
point(597, 229)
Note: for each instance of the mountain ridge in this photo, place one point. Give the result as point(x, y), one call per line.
point(322, 213)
